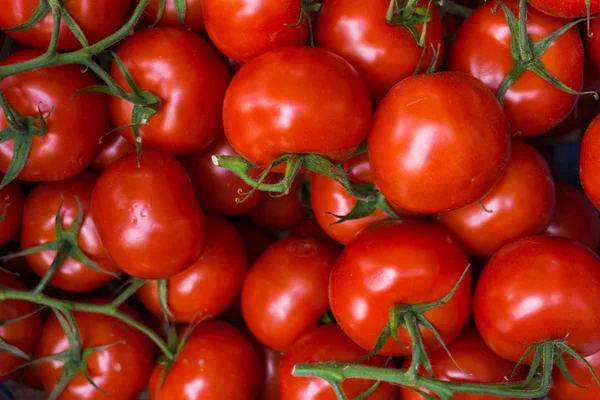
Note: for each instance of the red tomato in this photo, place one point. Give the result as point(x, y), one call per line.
point(383, 53)
point(271, 361)
point(285, 291)
point(256, 239)
point(536, 289)
point(562, 389)
point(190, 78)
point(296, 100)
point(593, 41)
point(399, 262)
point(521, 204)
point(194, 18)
point(97, 19)
point(323, 344)
point(566, 8)
point(23, 334)
point(147, 216)
point(244, 29)
point(114, 147)
point(75, 124)
point(533, 106)
point(211, 284)
point(217, 362)
point(310, 228)
point(39, 214)
point(11, 203)
point(589, 162)
point(425, 156)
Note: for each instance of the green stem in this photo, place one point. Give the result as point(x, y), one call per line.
point(127, 293)
point(454, 8)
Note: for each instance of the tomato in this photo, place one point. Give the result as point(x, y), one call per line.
point(533, 106)
point(211, 284)
point(562, 389)
point(277, 100)
point(132, 352)
point(217, 362)
point(244, 29)
point(218, 189)
point(114, 147)
point(271, 361)
point(256, 239)
point(537, 289)
point(399, 262)
point(383, 53)
point(11, 206)
point(593, 42)
point(39, 214)
point(75, 124)
point(323, 344)
point(425, 156)
point(566, 8)
point(589, 162)
point(97, 19)
point(190, 78)
point(285, 291)
point(23, 334)
point(147, 216)
point(521, 204)
point(194, 18)
point(310, 228)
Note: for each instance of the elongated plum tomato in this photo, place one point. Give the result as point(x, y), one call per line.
point(328, 343)
point(285, 291)
point(521, 204)
point(194, 18)
point(97, 19)
point(482, 48)
point(190, 78)
point(75, 124)
point(566, 8)
point(383, 53)
point(432, 162)
point(23, 334)
point(11, 209)
point(147, 216)
point(516, 297)
point(562, 389)
point(296, 100)
point(217, 362)
point(39, 214)
point(589, 162)
point(399, 262)
point(114, 146)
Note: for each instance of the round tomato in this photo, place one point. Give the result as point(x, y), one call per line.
point(562, 389)
point(271, 361)
point(399, 263)
point(75, 124)
point(296, 100)
point(194, 18)
point(537, 289)
point(11, 207)
point(566, 8)
point(114, 147)
point(285, 291)
point(190, 78)
point(147, 216)
point(438, 142)
point(482, 48)
point(589, 162)
point(256, 239)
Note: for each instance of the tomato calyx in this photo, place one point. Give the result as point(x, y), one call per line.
point(307, 7)
point(180, 9)
point(407, 14)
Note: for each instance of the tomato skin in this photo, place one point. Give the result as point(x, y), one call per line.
point(229, 367)
point(114, 146)
point(562, 389)
point(593, 42)
point(522, 204)
point(589, 162)
point(271, 361)
point(191, 85)
point(11, 201)
point(430, 163)
point(277, 100)
point(533, 106)
point(323, 344)
point(23, 334)
point(194, 17)
point(515, 298)
point(565, 8)
point(382, 53)
point(147, 216)
point(75, 125)
point(211, 284)
point(256, 239)
point(285, 291)
point(399, 262)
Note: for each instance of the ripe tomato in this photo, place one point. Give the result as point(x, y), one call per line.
point(256, 239)
point(425, 155)
point(383, 53)
point(271, 361)
point(114, 147)
point(194, 18)
point(278, 100)
point(536, 289)
point(285, 291)
point(562, 389)
point(593, 42)
point(132, 354)
point(11, 204)
point(521, 204)
point(23, 334)
point(211, 284)
point(75, 124)
point(399, 262)
point(97, 19)
point(589, 162)
point(147, 216)
point(190, 78)
point(533, 106)
point(217, 362)
point(566, 8)
point(323, 344)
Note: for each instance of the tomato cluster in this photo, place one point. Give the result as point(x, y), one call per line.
point(299, 199)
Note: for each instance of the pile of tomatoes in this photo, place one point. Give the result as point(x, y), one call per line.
point(299, 199)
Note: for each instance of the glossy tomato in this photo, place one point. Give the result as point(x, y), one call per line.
point(589, 162)
point(190, 78)
point(271, 361)
point(438, 142)
point(566, 8)
point(147, 216)
point(11, 207)
point(562, 389)
point(194, 17)
point(114, 146)
point(256, 239)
